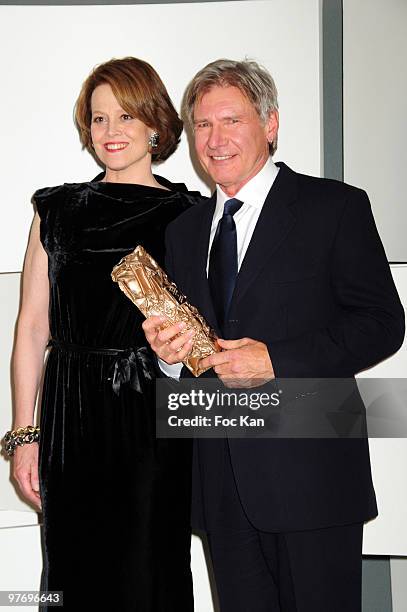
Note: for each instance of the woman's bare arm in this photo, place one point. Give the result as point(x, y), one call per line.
point(28, 360)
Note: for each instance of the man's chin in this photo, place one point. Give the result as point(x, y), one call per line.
point(224, 179)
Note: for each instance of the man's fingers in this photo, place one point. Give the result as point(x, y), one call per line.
point(180, 341)
point(166, 335)
point(185, 350)
point(179, 355)
point(159, 338)
point(234, 344)
point(226, 355)
point(178, 349)
point(236, 383)
point(151, 324)
point(216, 359)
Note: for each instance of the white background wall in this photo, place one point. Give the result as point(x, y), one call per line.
point(387, 534)
point(375, 156)
point(47, 52)
point(375, 117)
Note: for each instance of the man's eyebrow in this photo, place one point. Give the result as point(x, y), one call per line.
point(223, 118)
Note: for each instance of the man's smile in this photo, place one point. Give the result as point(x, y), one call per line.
point(221, 157)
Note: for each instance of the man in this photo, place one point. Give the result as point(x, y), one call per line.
point(290, 271)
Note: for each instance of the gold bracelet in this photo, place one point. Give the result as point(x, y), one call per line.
point(19, 437)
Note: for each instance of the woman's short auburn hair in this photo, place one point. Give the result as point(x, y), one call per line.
point(141, 93)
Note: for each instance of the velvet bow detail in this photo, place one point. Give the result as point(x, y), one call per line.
point(131, 367)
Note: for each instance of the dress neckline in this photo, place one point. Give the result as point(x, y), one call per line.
point(171, 188)
point(128, 190)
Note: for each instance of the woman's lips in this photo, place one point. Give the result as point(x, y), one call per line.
point(115, 147)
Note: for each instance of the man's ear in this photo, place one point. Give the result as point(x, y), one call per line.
point(272, 126)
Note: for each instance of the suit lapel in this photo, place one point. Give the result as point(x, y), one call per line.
point(198, 264)
point(274, 224)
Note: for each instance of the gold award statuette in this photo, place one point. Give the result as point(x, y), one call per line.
point(149, 288)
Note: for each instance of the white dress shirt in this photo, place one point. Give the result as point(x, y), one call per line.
point(253, 195)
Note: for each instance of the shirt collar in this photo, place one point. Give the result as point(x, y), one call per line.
point(254, 192)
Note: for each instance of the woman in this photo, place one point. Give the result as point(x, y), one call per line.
point(115, 500)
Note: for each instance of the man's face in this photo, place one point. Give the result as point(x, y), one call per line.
point(231, 141)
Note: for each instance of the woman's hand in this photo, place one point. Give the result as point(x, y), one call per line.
point(25, 472)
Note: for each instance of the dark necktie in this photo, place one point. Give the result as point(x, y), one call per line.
point(223, 262)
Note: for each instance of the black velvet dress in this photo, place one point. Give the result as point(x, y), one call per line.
point(116, 500)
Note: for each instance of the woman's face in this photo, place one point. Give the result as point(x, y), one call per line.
point(120, 141)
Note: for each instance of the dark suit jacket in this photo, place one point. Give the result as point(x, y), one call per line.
point(316, 288)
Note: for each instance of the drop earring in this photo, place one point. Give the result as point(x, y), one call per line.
point(153, 140)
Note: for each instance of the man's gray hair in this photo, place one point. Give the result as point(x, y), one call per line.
point(253, 80)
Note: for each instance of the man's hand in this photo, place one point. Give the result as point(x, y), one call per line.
point(243, 363)
point(169, 344)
